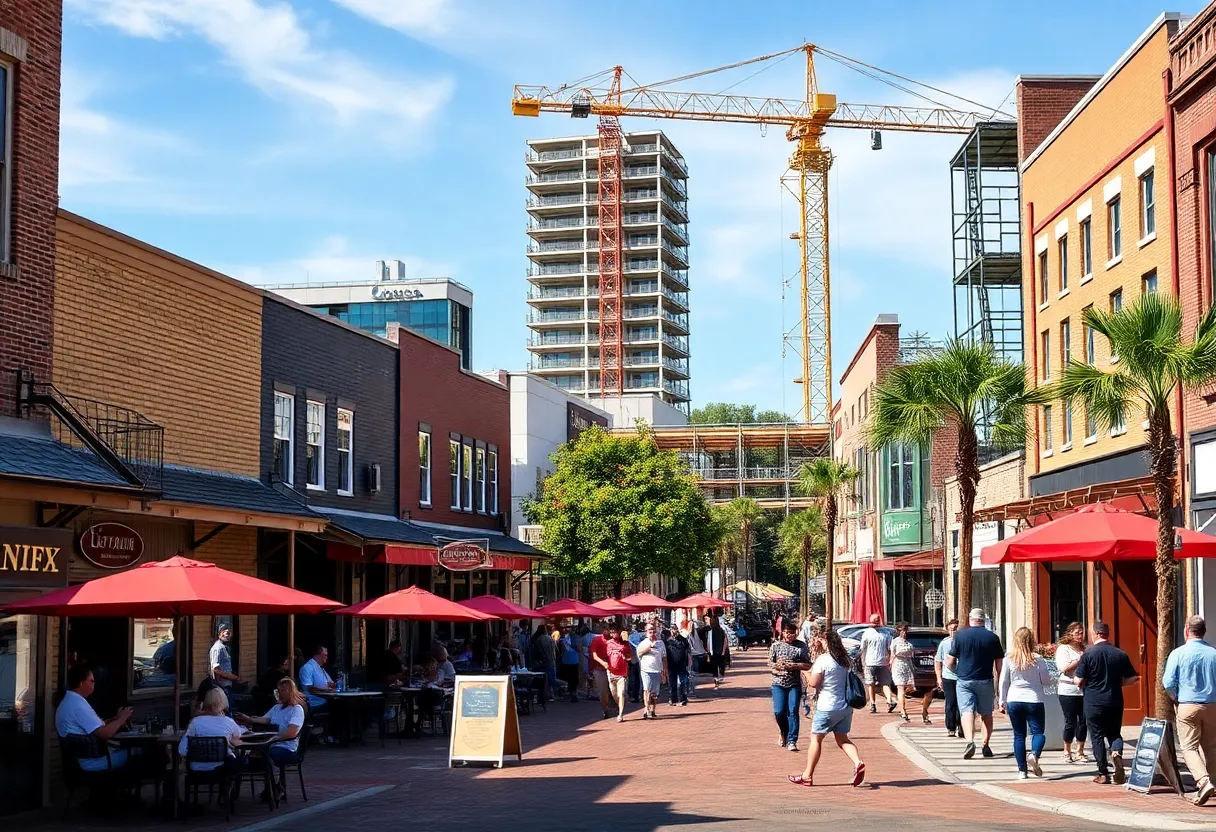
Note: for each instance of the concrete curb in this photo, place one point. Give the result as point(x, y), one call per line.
point(1090, 810)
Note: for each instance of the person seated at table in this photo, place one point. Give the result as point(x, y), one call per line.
point(499, 658)
point(213, 722)
point(447, 673)
point(76, 717)
point(207, 685)
point(268, 682)
point(390, 670)
point(314, 679)
point(288, 717)
point(430, 698)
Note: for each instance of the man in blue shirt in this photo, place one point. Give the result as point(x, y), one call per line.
point(635, 674)
point(1190, 679)
point(314, 679)
point(947, 680)
point(975, 656)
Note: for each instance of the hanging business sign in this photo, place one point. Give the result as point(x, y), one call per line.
point(464, 556)
point(33, 557)
point(901, 528)
point(111, 545)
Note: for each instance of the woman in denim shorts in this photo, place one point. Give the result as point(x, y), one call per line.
point(828, 677)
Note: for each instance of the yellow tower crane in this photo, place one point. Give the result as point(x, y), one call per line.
point(807, 180)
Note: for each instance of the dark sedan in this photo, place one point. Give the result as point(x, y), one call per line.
point(925, 641)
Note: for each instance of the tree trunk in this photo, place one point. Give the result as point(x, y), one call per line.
point(1162, 457)
point(966, 465)
point(804, 594)
point(829, 592)
point(722, 548)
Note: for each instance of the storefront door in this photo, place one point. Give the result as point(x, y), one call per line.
point(1134, 630)
point(20, 720)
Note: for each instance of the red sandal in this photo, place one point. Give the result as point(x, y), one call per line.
point(799, 780)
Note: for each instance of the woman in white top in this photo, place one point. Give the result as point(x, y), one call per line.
point(1020, 693)
point(902, 653)
point(211, 722)
point(1068, 655)
point(828, 678)
point(288, 717)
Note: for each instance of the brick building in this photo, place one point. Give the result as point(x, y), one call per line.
point(30, 41)
point(1191, 121)
point(1096, 234)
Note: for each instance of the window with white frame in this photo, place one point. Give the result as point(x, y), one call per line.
point(479, 482)
point(284, 428)
point(492, 480)
point(466, 475)
point(1148, 283)
point(346, 452)
point(901, 481)
point(1067, 423)
point(1087, 249)
point(1089, 342)
point(1119, 426)
point(314, 450)
point(6, 150)
point(1045, 336)
point(1091, 425)
point(1062, 245)
point(1114, 228)
point(424, 467)
point(1065, 343)
point(860, 463)
point(1043, 287)
point(1148, 206)
point(1047, 432)
point(454, 468)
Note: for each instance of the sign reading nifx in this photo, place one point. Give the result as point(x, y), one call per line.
point(32, 557)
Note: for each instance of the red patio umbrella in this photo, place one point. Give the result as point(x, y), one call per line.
point(499, 607)
point(570, 608)
point(170, 589)
point(703, 599)
point(414, 604)
point(646, 601)
point(1095, 532)
point(868, 599)
point(615, 606)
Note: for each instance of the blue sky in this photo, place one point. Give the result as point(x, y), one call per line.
point(284, 141)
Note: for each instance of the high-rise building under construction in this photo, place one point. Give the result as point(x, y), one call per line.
point(564, 259)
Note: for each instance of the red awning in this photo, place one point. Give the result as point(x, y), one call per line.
point(931, 559)
point(401, 555)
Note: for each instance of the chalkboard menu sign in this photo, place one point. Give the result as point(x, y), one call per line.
point(1154, 733)
point(485, 723)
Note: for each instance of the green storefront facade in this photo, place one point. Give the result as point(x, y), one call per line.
point(905, 527)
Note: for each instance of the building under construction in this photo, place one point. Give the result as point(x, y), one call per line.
point(759, 461)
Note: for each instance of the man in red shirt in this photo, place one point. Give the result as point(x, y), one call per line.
point(620, 653)
point(599, 666)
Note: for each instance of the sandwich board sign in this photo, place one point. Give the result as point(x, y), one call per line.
point(485, 723)
point(1154, 748)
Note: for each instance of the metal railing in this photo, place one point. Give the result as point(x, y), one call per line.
point(123, 439)
point(643, 312)
point(640, 171)
point(555, 246)
point(553, 294)
point(678, 366)
point(679, 388)
point(747, 473)
point(554, 317)
point(641, 360)
point(555, 224)
point(677, 342)
point(554, 155)
point(563, 364)
point(640, 337)
point(557, 199)
point(679, 162)
point(559, 341)
point(555, 176)
point(679, 184)
point(680, 205)
point(680, 228)
point(553, 269)
point(677, 251)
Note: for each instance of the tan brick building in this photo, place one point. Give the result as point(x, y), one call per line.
point(1097, 233)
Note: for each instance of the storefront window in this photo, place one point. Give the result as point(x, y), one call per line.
point(153, 653)
point(986, 594)
point(19, 746)
point(901, 493)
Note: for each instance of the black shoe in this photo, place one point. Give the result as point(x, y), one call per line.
point(969, 751)
point(607, 715)
point(891, 706)
point(987, 752)
point(873, 709)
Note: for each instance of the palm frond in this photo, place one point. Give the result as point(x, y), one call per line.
point(1195, 365)
point(1106, 396)
point(824, 476)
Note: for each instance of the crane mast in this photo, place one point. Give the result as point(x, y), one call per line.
point(805, 121)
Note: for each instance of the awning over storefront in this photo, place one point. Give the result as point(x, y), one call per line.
point(931, 559)
point(1134, 494)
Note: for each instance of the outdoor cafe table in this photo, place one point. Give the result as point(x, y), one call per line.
point(259, 743)
point(145, 740)
point(350, 703)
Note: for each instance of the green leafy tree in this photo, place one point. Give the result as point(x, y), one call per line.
point(803, 546)
point(617, 507)
point(956, 389)
point(722, 413)
point(824, 479)
point(1154, 361)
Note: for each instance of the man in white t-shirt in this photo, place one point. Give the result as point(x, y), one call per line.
point(76, 717)
point(652, 665)
point(876, 662)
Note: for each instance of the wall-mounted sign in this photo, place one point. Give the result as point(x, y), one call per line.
point(901, 528)
point(111, 545)
point(578, 419)
point(382, 292)
point(34, 557)
point(463, 556)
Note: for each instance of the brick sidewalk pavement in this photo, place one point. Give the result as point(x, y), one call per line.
point(713, 763)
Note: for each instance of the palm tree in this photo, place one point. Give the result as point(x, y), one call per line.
point(962, 387)
point(745, 512)
point(802, 539)
point(824, 479)
point(1153, 363)
point(724, 519)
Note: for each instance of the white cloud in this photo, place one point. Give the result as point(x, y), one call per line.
point(413, 17)
point(269, 46)
point(333, 260)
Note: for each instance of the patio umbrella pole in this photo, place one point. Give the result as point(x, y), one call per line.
point(177, 676)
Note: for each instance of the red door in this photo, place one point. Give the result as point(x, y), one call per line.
point(1134, 630)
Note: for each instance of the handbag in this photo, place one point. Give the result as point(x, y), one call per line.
point(854, 691)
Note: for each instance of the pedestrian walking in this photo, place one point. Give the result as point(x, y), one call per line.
point(599, 666)
point(947, 680)
point(902, 675)
point(568, 662)
point(828, 678)
point(635, 676)
point(543, 657)
point(620, 655)
point(696, 647)
point(652, 664)
point(679, 659)
point(787, 658)
point(1190, 680)
point(876, 662)
point(1102, 673)
point(1020, 693)
point(976, 651)
point(714, 638)
point(522, 636)
point(1068, 654)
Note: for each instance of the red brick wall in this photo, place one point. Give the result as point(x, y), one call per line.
point(1042, 104)
point(886, 349)
point(435, 391)
point(27, 281)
